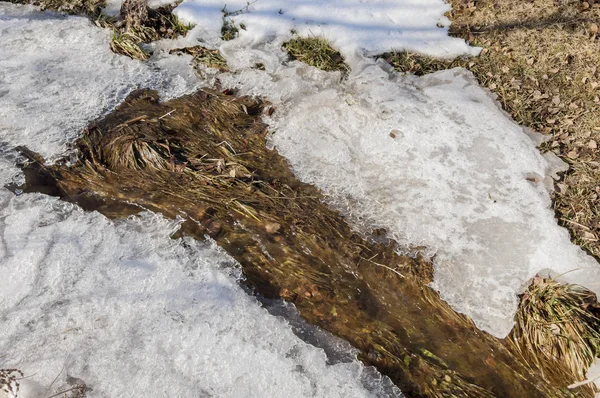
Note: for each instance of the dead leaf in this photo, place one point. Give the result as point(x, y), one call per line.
point(573, 155)
point(592, 144)
point(588, 235)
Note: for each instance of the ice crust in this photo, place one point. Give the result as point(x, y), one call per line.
point(120, 305)
point(135, 314)
point(44, 59)
point(365, 26)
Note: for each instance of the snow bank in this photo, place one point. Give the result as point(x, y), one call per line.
point(120, 305)
point(435, 162)
point(370, 26)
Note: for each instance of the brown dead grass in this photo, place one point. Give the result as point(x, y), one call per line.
point(557, 329)
point(204, 56)
point(542, 59)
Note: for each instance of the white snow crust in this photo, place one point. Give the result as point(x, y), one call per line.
point(366, 26)
point(45, 58)
point(120, 305)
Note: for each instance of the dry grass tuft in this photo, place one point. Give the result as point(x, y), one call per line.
point(420, 65)
point(160, 23)
point(9, 381)
point(202, 55)
point(229, 31)
point(317, 52)
point(557, 328)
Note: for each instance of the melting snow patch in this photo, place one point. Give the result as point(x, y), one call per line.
point(121, 306)
point(133, 313)
point(372, 26)
point(57, 73)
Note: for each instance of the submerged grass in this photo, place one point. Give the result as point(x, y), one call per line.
point(317, 52)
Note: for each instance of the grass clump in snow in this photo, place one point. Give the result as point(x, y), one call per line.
point(137, 23)
point(317, 52)
point(420, 65)
point(204, 56)
point(558, 328)
point(142, 27)
point(229, 31)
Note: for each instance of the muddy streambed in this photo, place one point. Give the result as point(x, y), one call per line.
point(203, 158)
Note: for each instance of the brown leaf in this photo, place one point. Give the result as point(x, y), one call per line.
point(573, 155)
point(592, 144)
point(272, 227)
point(594, 28)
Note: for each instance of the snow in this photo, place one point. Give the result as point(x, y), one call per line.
point(365, 26)
point(120, 305)
point(45, 59)
point(129, 311)
point(593, 374)
point(133, 313)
